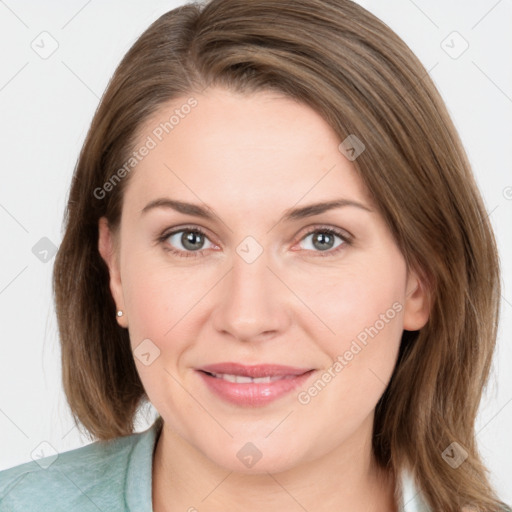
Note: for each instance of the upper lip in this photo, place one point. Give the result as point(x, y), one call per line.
point(254, 371)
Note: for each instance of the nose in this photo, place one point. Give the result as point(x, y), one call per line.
point(252, 302)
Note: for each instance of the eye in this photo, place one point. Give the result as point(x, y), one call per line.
point(190, 239)
point(323, 240)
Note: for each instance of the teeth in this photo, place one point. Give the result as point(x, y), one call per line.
point(264, 380)
point(241, 379)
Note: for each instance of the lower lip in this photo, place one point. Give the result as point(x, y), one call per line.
point(253, 394)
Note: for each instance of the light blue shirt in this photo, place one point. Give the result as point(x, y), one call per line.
point(109, 476)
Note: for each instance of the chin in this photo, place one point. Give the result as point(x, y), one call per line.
point(254, 458)
point(274, 464)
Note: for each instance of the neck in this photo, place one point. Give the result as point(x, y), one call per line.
point(346, 479)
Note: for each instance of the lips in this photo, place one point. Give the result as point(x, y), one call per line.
point(254, 385)
point(254, 371)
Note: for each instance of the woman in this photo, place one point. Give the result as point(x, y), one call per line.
point(325, 344)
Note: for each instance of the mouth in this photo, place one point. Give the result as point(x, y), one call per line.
point(255, 385)
point(242, 379)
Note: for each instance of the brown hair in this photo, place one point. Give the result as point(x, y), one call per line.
point(352, 69)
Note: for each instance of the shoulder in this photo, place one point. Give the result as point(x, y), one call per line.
point(88, 478)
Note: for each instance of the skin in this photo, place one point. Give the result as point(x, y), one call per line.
point(250, 158)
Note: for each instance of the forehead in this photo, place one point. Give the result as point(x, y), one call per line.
point(262, 148)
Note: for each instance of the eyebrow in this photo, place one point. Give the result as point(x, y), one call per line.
point(289, 215)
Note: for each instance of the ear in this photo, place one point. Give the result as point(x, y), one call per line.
point(107, 250)
point(417, 303)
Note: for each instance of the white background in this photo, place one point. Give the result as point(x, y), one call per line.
point(46, 108)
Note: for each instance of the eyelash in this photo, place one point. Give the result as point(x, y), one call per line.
point(193, 254)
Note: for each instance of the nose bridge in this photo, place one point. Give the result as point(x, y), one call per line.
point(250, 265)
point(251, 301)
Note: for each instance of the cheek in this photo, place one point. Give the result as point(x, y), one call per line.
point(159, 302)
point(164, 304)
point(148, 300)
point(353, 301)
point(362, 323)
point(154, 291)
point(156, 299)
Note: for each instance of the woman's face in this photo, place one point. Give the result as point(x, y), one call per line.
point(265, 287)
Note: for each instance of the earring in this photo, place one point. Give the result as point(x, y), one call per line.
point(119, 313)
